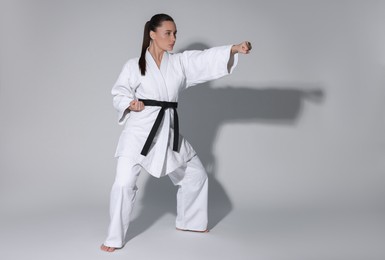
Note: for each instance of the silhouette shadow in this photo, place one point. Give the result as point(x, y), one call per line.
point(202, 110)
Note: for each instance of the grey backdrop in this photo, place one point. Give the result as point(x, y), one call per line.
point(299, 126)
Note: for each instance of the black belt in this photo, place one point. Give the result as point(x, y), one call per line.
point(164, 105)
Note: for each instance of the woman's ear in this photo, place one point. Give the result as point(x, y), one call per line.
point(152, 35)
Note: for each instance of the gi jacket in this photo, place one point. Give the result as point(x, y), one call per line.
point(177, 72)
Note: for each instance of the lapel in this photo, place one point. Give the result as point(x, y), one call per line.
point(159, 74)
point(164, 64)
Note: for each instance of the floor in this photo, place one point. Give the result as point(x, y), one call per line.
point(243, 234)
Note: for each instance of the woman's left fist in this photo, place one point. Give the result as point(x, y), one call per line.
point(244, 48)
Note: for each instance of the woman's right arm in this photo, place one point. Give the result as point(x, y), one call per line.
point(123, 94)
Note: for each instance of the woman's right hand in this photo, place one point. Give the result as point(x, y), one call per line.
point(136, 105)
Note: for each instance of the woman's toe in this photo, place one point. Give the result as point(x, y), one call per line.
point(107, 248)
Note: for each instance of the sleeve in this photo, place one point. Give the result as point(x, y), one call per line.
point(123, 94)
point(210, 64)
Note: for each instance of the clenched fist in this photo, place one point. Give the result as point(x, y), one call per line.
point(136, 105)
point(244, 48)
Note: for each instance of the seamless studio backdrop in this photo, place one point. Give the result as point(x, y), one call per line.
point(293, 141)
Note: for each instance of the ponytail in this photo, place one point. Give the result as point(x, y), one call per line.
point(146, 43)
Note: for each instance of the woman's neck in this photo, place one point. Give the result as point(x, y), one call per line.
point(156, 53)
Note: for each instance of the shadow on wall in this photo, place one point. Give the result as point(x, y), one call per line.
point(202, 110)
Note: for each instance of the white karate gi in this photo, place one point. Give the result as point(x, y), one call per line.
point(177, 72)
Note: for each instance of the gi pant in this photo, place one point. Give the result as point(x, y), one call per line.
point(191, 198)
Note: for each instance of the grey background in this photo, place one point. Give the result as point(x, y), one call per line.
point(293, 141)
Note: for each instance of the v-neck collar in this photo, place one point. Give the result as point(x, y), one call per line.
point(163, 63)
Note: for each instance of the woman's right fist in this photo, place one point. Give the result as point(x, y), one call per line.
point(136, 105)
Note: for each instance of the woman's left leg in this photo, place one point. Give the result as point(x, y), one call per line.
point(191, 196)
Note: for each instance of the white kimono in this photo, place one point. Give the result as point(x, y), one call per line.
point(177, 72)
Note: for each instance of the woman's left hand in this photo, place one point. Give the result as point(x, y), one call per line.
point(243, 47)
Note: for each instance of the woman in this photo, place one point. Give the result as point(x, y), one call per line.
point(145, 96)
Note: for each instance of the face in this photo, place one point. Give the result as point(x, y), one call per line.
point(165, 36)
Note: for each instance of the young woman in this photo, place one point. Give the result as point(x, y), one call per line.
point(145, 96)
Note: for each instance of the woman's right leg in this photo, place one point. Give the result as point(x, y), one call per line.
point(122, 200)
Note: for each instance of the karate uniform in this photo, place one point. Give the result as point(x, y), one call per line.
point(176, 73)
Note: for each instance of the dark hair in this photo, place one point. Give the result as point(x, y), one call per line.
point(155, 22)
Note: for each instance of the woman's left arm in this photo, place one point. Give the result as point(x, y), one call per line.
point(213, 63)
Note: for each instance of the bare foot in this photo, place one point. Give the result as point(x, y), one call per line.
point(198, 231)
point(107, 248)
